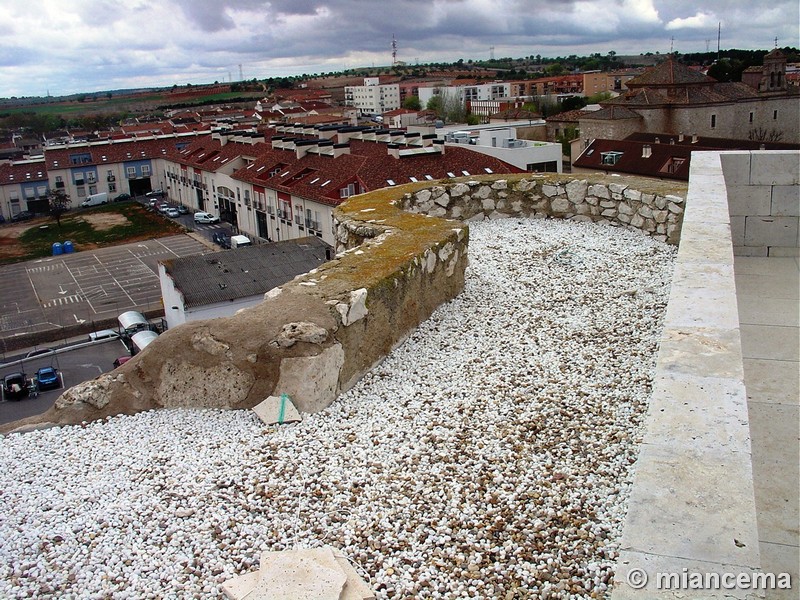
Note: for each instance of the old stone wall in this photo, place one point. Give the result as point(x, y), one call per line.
point(618, 203)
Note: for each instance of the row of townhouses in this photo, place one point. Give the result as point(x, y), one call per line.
point(275, 185)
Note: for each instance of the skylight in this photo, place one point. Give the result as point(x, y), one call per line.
point(315, 180)
point(326, 183)
point(488, 170)
point(414, 179)
point(465, 173)
point(449, 174)
point(390, 182)
point(428, 177)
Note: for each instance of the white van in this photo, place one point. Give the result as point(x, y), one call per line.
point(204, 217)
point(95, 200)
point(103, 334)
point(240, 241)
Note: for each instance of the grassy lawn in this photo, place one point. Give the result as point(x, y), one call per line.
point(108, 225)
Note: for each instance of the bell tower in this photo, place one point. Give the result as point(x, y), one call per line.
point(773, 73)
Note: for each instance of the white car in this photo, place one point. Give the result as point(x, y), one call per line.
point(172, 212)
point(204, 217)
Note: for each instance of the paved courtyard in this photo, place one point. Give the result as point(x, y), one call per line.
point(86, 286)
point(767, 294)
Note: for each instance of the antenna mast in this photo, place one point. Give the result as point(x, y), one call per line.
point(719, 34)
point(394, 50)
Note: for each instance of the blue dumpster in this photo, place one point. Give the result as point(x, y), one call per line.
point(68, 247)
point(57, 248)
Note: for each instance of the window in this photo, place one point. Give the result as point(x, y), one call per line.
point(751, 116)
point(145, 170)
point(78, 178)
point(92, 189)
point(131, 171)
point(610, 158)
point(713, 121)
point(673, 164)
point(347, 191)
point(112, 187)
point(774, 115)
point(81, 192)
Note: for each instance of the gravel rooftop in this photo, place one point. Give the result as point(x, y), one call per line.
point(489, 456)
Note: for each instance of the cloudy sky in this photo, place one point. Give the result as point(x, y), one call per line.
point(70, 46)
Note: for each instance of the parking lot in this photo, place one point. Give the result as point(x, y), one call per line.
point(66, 289)
point(74, 366)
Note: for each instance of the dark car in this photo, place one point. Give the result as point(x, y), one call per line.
point(221, 239)
point(39, 352)
point(156, 194)
point(48, 378)
point(2, 219)
point(122, 197)
point(15, 386)
point(184, 210)
point(22, 216)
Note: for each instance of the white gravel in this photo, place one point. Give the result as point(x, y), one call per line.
point(488, 457)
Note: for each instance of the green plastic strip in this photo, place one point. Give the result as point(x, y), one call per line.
point(282, 411)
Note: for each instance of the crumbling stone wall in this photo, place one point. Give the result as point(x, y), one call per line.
point(657, 214)
point(315, 336)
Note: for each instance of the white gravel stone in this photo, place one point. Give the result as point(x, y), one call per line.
point(488, 456)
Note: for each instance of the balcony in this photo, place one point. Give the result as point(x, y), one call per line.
point(60, 185)
point(111, 178)
point(284, 214)
point(270, 209)
point(311, 224)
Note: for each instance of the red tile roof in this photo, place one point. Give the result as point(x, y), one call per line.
point(320, 178)
point(630, 159)
point(12, 173)
point(115, 152)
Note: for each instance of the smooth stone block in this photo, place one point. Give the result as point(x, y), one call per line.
point(735, 167)
point(698, 505)
point(776, 167)
point(785, 201)
point(775, 381)
point(770, 342)
point(749, 200)
point(770, 231)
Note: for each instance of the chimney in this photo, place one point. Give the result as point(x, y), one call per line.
point(394, 150)
point(657, 140)
point(647, 151)
point(694, 138)
point(339, 149)
point(439, 144)
point(762, 147)
point(680, 137)
point(672, 141)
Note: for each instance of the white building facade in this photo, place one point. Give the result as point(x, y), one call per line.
point(373, 98)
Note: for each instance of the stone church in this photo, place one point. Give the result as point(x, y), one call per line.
point(675, 99)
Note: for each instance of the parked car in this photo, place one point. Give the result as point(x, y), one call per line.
point(163, 208)
point(22, 216)
point(204, 217)
point(121, 361)
point(173, 212)
point(221, 239)
point(15, 386)
point(156, 194)
point(2, 219)
point(152, 203)
point(39, 352)
point(184, 210)
point(48, 378)
point(103, 334)
point(122, 197)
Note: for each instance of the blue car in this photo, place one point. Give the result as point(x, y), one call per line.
point(48, 378)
